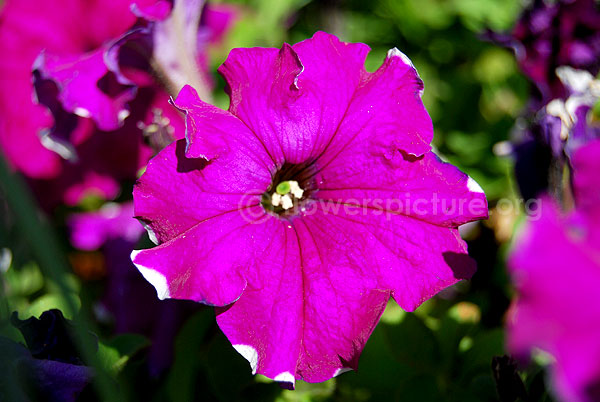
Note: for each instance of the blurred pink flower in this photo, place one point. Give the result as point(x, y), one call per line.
point(77, 125)
point(65, 28)
point(556, 268)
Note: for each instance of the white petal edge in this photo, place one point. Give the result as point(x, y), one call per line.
point(576, 80)
point(151, 234)
point(123, 114)
point(155, 278)
point(297, 77)
point(473, 186)
point(395, 52)
point(82, 112)
point(286, 376)
point(341, 371)
point(63, 149)
point(249, 353)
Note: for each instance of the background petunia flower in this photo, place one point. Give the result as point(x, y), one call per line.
point(555, 133)
point(66, 28)
point(574, 115)
point(557, 46)
point(84, 120)
point(91, 230)
point(302, 209)
point(556, 269)
point(107, 159)
point(553, 34)
point(169, 39)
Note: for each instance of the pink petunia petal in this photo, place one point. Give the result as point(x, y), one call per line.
point(218, 18)
point(321, 286)
point(212, 255)
point(586, 164)
point(154, 11)
point(386, 114)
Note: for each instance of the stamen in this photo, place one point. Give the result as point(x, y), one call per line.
point(276, 200)
point(286, 202)
point(295, 189)
point(284, 195)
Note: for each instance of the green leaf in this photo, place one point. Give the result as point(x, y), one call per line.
point(181, 382)
point(486, 345)
point(48, 302)
point(596, 113)
point(413, 343)
point(308, 392)
point(24, 281)
point(115, 354)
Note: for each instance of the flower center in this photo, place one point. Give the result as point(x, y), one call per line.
point(290, 187)
point(285, 194)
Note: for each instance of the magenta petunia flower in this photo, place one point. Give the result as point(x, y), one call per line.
point(556, 268)
point(302, 209)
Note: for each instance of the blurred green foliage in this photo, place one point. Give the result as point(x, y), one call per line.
point(443, 351)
